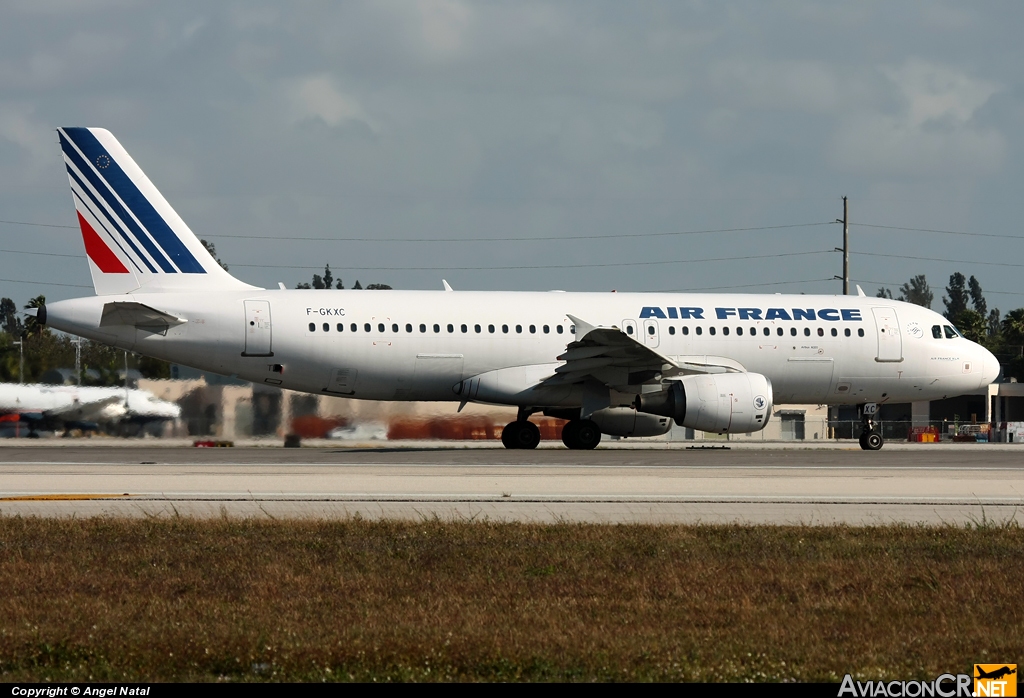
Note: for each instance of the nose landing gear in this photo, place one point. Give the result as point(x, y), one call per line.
point(871, 437)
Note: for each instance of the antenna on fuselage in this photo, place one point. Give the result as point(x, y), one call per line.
point(447, 286)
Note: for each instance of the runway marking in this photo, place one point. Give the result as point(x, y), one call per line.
point(61, 497)
point(574, 466)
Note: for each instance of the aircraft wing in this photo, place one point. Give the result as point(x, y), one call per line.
point(610, 356)
point(87, 411)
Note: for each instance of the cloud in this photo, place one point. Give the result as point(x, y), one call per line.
point(809, 86)
point(932, 129)
point(18, 125)
point(317, 97)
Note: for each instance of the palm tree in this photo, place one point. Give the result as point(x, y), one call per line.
point(1013, 329)
point(34, 328)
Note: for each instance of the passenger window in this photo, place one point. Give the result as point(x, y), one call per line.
point(700, 330)
point(547, 330)
point(686, 330)
point(341, 327)
point(423, 328)
point(792, 331)
point(835, 332)
point(936, 332)
point(767, 332)
point(629, 329)
point(739, 331)
point(650, 330)
point(464, 329)
point(950, 332)
point(327, 327)
point(394, 328)
point(312, 327)
point(780, 331)
point(533, 329)
point(490, 328)
point(725, 331)
point(860, 332)
point(711, 330)
point(380, 327)
point(504, 329)
point(558, 328)
point(353, 327)
point(408, 327)
point(477, 329)
point(821, 331)
point(437, 328)
point(847, 331)
point(451, 328)
point(671, 330)
point(807, 332)
point(519, 329)
point(366, 327)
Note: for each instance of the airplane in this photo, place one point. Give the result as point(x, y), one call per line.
point(77, 407)
point(995, 673)
point(621, 364)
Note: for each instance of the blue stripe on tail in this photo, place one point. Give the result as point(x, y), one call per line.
point(125, 188)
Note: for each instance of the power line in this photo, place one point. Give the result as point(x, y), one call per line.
point(986, 291)
point(937, 259)
point(719, 288)
point(538, 266)
point(46, 283)
point(543, 238)
point(941, 232)
point(40, 225)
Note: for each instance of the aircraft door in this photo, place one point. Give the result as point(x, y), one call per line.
point(887, 329)
point(651, 336)
point(257, 329)
point(629, 327)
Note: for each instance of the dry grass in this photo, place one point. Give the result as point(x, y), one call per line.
point(111, 599)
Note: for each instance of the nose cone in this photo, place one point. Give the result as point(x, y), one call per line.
point(989, 367)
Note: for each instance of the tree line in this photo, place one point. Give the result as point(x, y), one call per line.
point(327, 281)
point(967, 309)
point(45, 350)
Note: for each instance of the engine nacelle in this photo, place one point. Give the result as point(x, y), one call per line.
point(625, 421)
point(720, 402)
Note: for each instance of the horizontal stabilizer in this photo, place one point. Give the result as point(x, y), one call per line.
point(131, 314)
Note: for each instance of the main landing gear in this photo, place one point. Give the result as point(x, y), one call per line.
point(521, 433)
point(577, 434)
point(581, 435)
point(871, 437)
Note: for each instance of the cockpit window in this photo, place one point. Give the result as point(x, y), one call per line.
point(936, 332)
point(951, 333)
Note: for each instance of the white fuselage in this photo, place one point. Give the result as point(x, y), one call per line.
point(420, 345)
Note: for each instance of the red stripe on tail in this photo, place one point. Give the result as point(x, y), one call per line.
point(98, 252)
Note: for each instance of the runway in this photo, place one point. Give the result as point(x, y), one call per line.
point(928, 484)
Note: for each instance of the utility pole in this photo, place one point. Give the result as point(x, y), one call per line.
point(845, 249)
point(77, 341)
point(21, 359)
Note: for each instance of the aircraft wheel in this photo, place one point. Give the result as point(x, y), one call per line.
point(581, 435)
point(873, 441)
point(588, 436)
point(523, 434)
point(861, 440)
point(569, 437)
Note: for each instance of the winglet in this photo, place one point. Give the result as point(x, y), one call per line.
point(447, 286)
point(583, 328)
point(860, 291)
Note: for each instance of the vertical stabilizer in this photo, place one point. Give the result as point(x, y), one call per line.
point(134, 240)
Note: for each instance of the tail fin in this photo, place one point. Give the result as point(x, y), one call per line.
point(133, 238)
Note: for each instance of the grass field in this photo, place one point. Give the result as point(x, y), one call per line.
point(113, 599)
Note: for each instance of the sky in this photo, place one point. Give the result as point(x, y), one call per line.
point(528, 145)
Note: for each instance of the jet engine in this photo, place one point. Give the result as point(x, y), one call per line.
point(720, 402)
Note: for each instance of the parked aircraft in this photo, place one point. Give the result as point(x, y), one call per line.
point(76, 407)
point(624, 364)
